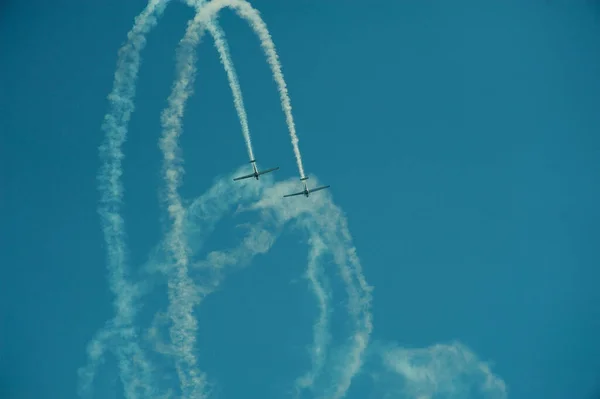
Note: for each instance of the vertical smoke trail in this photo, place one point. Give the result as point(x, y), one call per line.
point(181, 289)
point(224, 56)
point(329, 225)
point(95, 351)
point(222, 47)
point(336, 235)
point(115, 128)
point(246, 11)
point(322, 339)
point(328, 232)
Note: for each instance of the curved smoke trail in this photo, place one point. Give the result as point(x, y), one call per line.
point(329, 233)
point(222, 47)
point(324, 224)
point(182, 298)
point(247, 12)
point(115, 127)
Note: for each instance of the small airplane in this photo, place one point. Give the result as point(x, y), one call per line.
point(306, 191)
point(256, 172)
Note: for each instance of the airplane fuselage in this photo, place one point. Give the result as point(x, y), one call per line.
point(306, 192)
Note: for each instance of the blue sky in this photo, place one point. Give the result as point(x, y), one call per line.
point(459, 139)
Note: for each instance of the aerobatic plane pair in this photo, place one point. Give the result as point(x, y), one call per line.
point(257, 173)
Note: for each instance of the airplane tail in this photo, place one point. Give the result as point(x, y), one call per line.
point(304, 178)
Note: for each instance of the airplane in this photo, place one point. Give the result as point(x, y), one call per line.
point(256, 172)
point(306, 191)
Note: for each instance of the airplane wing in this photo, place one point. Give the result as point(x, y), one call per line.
point(268, 170)
point(291, 195)
point(317, 189)
point(244, 177)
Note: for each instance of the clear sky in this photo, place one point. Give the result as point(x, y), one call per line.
point(460, 139)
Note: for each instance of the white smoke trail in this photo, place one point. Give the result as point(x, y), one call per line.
point(216, 202)
point(115, 128)
point(325, 226)
point(224, 56)
point(95, 351)
point(222, 47)
point(450, 371)
point(246, 11)
point(321, 335)
point(181, 289)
